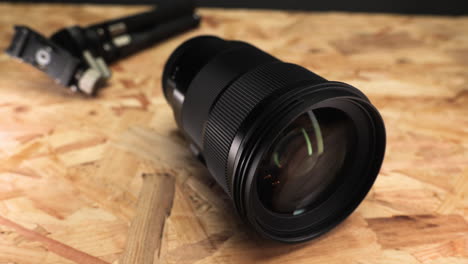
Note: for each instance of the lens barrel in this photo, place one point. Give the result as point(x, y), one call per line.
point(295, 152)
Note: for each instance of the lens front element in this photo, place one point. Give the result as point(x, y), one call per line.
point(305, 161)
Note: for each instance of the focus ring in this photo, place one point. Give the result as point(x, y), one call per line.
point(212, 80)
point(235, 104)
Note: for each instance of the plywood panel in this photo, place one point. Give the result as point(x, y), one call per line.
point(70, 167)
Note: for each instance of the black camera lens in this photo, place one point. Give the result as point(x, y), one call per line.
point(295, 152)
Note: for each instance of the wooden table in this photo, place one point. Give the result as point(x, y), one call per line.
point(70, 167)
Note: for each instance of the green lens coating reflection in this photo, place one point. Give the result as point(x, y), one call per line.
point(318, 136)
point(276, 158)
point(309, 145)
point(318, 132)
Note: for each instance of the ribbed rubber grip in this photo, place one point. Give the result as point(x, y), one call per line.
point(234, 106)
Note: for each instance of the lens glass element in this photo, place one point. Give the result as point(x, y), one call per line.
point(304, 163)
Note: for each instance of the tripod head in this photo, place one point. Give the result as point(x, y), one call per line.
point(78, 57)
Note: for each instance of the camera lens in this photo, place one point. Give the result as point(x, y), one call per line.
point(296, 153)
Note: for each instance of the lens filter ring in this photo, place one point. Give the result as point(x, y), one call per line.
point(358, 175)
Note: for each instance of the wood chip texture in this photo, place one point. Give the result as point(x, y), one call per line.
point(71, 167)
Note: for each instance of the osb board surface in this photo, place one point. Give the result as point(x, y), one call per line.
point(70, 167)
